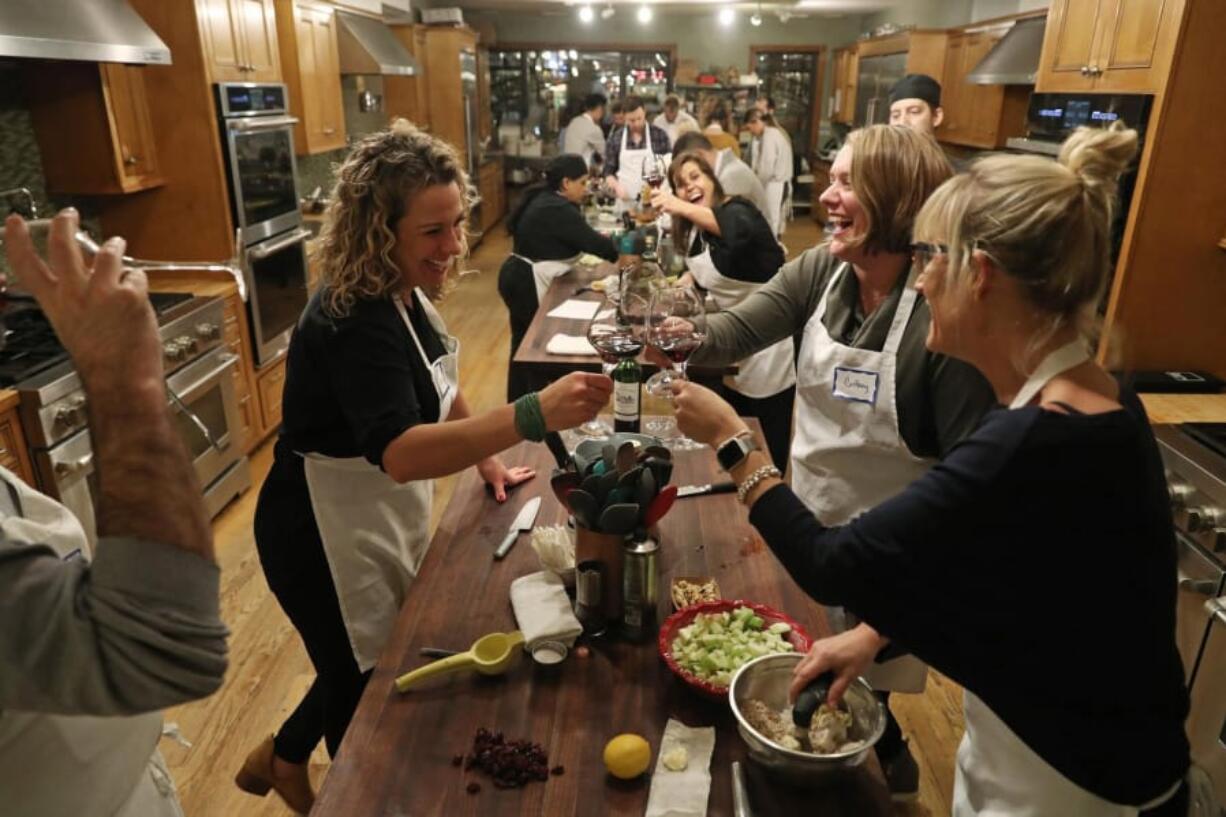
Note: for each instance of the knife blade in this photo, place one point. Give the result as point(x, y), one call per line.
point(523, 521)
point(700, 490)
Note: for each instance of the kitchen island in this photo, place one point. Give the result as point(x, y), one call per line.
point(397, 756)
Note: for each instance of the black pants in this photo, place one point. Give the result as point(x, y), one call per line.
point(517, 286)
point(775, 415)
point(891, 742)
point(292, 555)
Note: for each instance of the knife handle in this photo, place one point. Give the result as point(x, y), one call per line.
point(506, 544)
point(554, 440)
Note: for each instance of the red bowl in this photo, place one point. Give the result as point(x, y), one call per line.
point(682, 618)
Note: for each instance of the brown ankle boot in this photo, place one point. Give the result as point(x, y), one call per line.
point(257, 777)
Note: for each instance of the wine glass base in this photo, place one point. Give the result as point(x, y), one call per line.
point(595, 429)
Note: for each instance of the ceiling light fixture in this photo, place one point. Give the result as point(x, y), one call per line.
point(756, 19)
point(607, 12)
point(585, 14)
point(645, 14)
point(726, 16)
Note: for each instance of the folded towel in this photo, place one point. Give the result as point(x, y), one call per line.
point(682, 793)
point(575, 310)
point(543, 610)
point(561, 344)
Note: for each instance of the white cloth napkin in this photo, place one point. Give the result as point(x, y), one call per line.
point(543, 610)
point(562, 344)
point(683, 793)
point(575, 309)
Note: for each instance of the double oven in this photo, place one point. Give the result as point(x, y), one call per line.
point(257, 135)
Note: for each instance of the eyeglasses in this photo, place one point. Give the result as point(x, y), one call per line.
point(922, 252)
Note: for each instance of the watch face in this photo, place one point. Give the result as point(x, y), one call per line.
point(731, 452)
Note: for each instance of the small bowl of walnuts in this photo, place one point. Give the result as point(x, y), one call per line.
point(687, 591)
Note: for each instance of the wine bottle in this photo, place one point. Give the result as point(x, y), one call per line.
point(627, 397)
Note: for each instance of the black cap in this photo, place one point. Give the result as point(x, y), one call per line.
point(917, 86)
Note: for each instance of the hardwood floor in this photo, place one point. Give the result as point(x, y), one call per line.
point(269, 670)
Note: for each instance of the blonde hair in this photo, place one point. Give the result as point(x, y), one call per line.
point(893, 172)
point(1046, 224)
point(374, 186)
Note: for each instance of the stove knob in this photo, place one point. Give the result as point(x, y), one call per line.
point(208, 331)
point(187, 343)
point(1203, 518)
point(1179, 493)
point(1219, 539)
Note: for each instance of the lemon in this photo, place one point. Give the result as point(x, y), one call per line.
point(627, 756)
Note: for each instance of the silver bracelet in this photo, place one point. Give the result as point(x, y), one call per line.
point(751, 482)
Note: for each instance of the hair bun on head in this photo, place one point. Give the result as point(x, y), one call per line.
point(1099, 155)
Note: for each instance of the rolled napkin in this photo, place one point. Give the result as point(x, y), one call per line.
point(574, 309)
point(542, 609)
point(682, 793)
point(561, 344)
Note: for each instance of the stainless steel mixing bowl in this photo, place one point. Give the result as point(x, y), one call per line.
point(767, 679)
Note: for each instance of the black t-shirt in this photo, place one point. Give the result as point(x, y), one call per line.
point(745, 249)
point(552, 229)
point(1035, 565)
point(354, 384)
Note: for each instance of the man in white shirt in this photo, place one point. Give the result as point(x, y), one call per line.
point(583, 133)
point(736, 177)
point(772, 162)
point(674, 120)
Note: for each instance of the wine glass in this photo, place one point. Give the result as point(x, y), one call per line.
point(653, 177)
point(614, 336)
point(676, 326)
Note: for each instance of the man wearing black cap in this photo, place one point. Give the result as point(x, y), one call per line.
point(915, 101)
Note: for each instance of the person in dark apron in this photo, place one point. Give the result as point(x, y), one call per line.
point(730, 252)
point(979, 565)
point(549, 234)
point(373, 412)
point(874, 407)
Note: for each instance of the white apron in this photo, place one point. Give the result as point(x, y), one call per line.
point(543, 272)
point(766, 372)
point(997, 774)
point(630, 163)
point(774, 206)
point(60, 764)
point(847, 452)
point(375, 531)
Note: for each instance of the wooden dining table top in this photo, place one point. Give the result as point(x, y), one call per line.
point(397, 757)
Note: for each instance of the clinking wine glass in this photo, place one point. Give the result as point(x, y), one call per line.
point(676, 326)
point(614, 335)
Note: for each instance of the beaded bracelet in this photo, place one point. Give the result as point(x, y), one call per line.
point(529, 419)
point(751, 482)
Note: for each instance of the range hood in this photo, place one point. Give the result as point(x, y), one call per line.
point(367, 46)
point(1015, 59)
point(88, 30)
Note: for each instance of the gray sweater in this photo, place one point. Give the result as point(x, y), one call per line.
point(940, 400)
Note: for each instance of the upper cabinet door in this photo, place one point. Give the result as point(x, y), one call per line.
point(260, 37)
point(321, 82)
point(222, 33)
point(1134, 53)
point(1069, 45)
point(135, 151)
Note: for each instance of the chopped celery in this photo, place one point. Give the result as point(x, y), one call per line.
point(715, 645)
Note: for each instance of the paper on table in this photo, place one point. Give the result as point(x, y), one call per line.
point(561, 344)
point(683, 793)
point(575, 310)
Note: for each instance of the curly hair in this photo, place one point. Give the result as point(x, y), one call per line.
point(374, 186)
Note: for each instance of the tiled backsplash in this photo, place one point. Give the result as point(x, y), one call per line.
point(317, 171)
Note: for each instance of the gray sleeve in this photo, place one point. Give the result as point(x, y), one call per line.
point(137, 630)
point(776, 310)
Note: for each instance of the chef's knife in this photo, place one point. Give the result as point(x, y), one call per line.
point(523, 521)
point(740, 793)
point(700, 490)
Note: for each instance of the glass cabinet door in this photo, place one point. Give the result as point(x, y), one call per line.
point(790, 79)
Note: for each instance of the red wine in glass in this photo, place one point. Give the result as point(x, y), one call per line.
point(678, 349)
point(655, 180)
point(614, 347)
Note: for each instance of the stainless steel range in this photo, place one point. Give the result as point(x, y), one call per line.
point(1195, 458)
point(199, 383)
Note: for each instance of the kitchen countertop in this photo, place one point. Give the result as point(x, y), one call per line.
point(203, 283)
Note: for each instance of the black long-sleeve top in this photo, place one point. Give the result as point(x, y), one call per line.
point(552, 229)
point(745, 249)
point(1035, 565)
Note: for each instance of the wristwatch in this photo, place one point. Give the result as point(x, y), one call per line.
point(734, 449)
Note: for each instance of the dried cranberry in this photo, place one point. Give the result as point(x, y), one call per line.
point(558, 771)
point(473, 787)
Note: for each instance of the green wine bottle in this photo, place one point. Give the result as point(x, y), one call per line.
point(627, 397)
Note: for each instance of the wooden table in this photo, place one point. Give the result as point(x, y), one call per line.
point(397, 756)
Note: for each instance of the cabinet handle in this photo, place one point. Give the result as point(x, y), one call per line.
point(1096, 71)
point(4, 452)
point(131, 159)
point(329, 131)
point(1085, 70)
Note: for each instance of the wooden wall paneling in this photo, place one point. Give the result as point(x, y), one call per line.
point(1167, 300)
point(189, 217)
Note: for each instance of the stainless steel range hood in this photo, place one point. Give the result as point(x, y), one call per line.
point(367, 46)
point(88, 30)
point(1015, 59)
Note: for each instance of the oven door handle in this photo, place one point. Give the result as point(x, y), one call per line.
point(226, 360)
point(1199, 587)
point(262, 251)
point(258, 123)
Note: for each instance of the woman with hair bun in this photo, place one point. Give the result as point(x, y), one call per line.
point(979, 566)
point(372, 413)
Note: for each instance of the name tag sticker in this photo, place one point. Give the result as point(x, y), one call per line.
point(856, 385)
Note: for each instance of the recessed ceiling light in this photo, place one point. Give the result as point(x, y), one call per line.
point(607, 12)
point(755, 20)
point(726, 16)
point(645, 14)
point(585, 14)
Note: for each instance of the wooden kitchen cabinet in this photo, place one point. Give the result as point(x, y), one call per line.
point(444, 47)
point(271, 382)
point(240, 40)
point(981, 116)
point(306, 33)
point(843, 87)
point(13, 453)
point(492, 188)
point(1108, 46)
point(93, 128)
point(409, 96)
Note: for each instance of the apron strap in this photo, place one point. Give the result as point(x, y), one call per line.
point(1057, 363)
point(404, 316)
point(902, 314)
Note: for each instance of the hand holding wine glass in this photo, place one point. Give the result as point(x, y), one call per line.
point(676, 326)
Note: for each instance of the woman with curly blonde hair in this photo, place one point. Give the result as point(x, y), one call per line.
point(372, 413)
